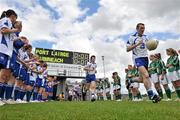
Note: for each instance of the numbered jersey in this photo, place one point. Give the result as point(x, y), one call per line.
point(141, 50)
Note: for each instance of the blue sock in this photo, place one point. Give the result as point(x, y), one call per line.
point(2, 90)
point(39, 97)
point(49, 98)
point(150, 93)
point(22, 94)
point(28, 95)
point(8, 91)
point(16, 93)
point(35, 95)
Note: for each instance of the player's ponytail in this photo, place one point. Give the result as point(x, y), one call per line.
point(3, 14)
point(8, 13)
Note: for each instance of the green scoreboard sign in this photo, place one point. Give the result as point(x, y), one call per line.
point(59, 56)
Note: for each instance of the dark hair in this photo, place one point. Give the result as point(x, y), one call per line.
point(171, 50)
point(158, 55)
point(26, 47)
point(137, 26)
point(45, 65)
point(41, 61)
point(114, 73)
point(30, 46)
point(92, 56)
point(8, 13)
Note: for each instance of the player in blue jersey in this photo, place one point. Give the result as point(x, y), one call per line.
point(136, 44)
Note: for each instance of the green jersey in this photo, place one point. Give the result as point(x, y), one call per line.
point(135, 73)
point(106, 83)
point(174, 62)
point(130, 73)
point(161, 67)
point(153, 67)
point(117, 80)
point(99, 85)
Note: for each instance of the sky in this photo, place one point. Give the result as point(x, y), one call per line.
point(98, 27)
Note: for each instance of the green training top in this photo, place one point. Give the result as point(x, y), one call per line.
point(174, 62)
point(153, 67)
point(161, 67)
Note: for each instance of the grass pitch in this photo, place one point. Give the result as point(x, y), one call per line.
point(99, 110)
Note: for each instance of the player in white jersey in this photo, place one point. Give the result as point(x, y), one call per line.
point(51, 81)
point(90, 69)
point(40, 81)
point(136, 44)
point(23, 77)
point(32, 77)
point(6, 47)
point(18, 42)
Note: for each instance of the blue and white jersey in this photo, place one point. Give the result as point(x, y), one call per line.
point(6, 43)
point(39, 68)
point(33, 75)
point(141, 50)
point(91, 65)
point(23, 55)
point(45, 74)
point(50, 84)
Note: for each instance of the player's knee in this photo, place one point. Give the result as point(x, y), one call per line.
point(5, 77)
point(145, 75)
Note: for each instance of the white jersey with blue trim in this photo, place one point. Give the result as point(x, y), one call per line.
point(91, 65)
point(45, 74)
point(33, 75)
point(39, 68)
point(6, 43)
point(141, 50)
point(23, 55)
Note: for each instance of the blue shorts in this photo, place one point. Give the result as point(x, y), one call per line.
point(23, 75)
point(30, 82)
point(49, 89)
point(40, 82)
point(13, 61)
point(4, 61)
point(16, 69)
point(90, 78)
point(143, 61)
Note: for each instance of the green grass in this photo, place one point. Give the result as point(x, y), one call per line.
point(99, 110)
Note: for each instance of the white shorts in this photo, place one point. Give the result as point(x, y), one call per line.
point(173, 76)
point(107, 90)
point(99, 90)
point(117, 87)
point(154, 78)
point(178, 73)
point(165, 81)
point(134, 85)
